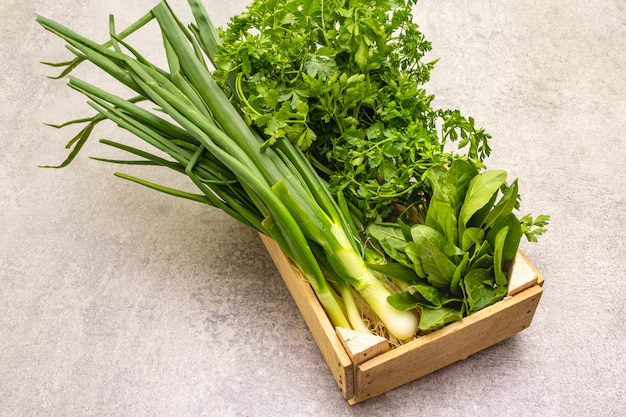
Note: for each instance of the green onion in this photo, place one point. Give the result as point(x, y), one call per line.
point(272, 189)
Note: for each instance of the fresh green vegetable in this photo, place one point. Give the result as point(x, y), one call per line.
point(308, 122)
point(343, 80)
point(459, 255)
point(274, 189)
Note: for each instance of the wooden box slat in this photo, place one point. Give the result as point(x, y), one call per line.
point(450, 344)
point(361, 378)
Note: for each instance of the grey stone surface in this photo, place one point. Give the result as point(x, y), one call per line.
point(118, 301)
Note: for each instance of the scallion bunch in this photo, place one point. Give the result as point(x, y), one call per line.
point(274, 190)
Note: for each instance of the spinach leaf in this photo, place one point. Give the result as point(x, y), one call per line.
point(498, 255)
point(441, 217)
point(482, 257)
point(479, 289)
point(480, 192)
point(417, 295)
point(478, 218)
point(438, 268)
point(414, 254)
point(434, 176)
point(505, 206)
point(433, 319)
point(455, 287)
point(423, 234)
point(390, 233)
point(513, 236)
point(472, 236)
point(456, 184)
point(427, 295)
point(403, 301)
point(394, 270)
point(390, 237)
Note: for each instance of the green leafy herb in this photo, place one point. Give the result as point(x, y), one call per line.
point(532, 228)
point(368, 124)
point(461, 252)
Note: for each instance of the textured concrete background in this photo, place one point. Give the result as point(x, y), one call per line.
point(118, 301)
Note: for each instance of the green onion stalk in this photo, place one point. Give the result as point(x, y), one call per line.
point(273, 190)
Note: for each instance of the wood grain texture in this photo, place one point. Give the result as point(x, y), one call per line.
point(522, 274)
point(454, 342)
point(361, 377)
point(362, 346)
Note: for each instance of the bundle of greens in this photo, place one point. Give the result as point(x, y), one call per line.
point(454, 261)
point(311, 145)
point(343, 80)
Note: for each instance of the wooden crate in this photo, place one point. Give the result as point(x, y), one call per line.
point(364, 366)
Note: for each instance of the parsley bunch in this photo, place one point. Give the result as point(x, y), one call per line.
point(343, 80)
